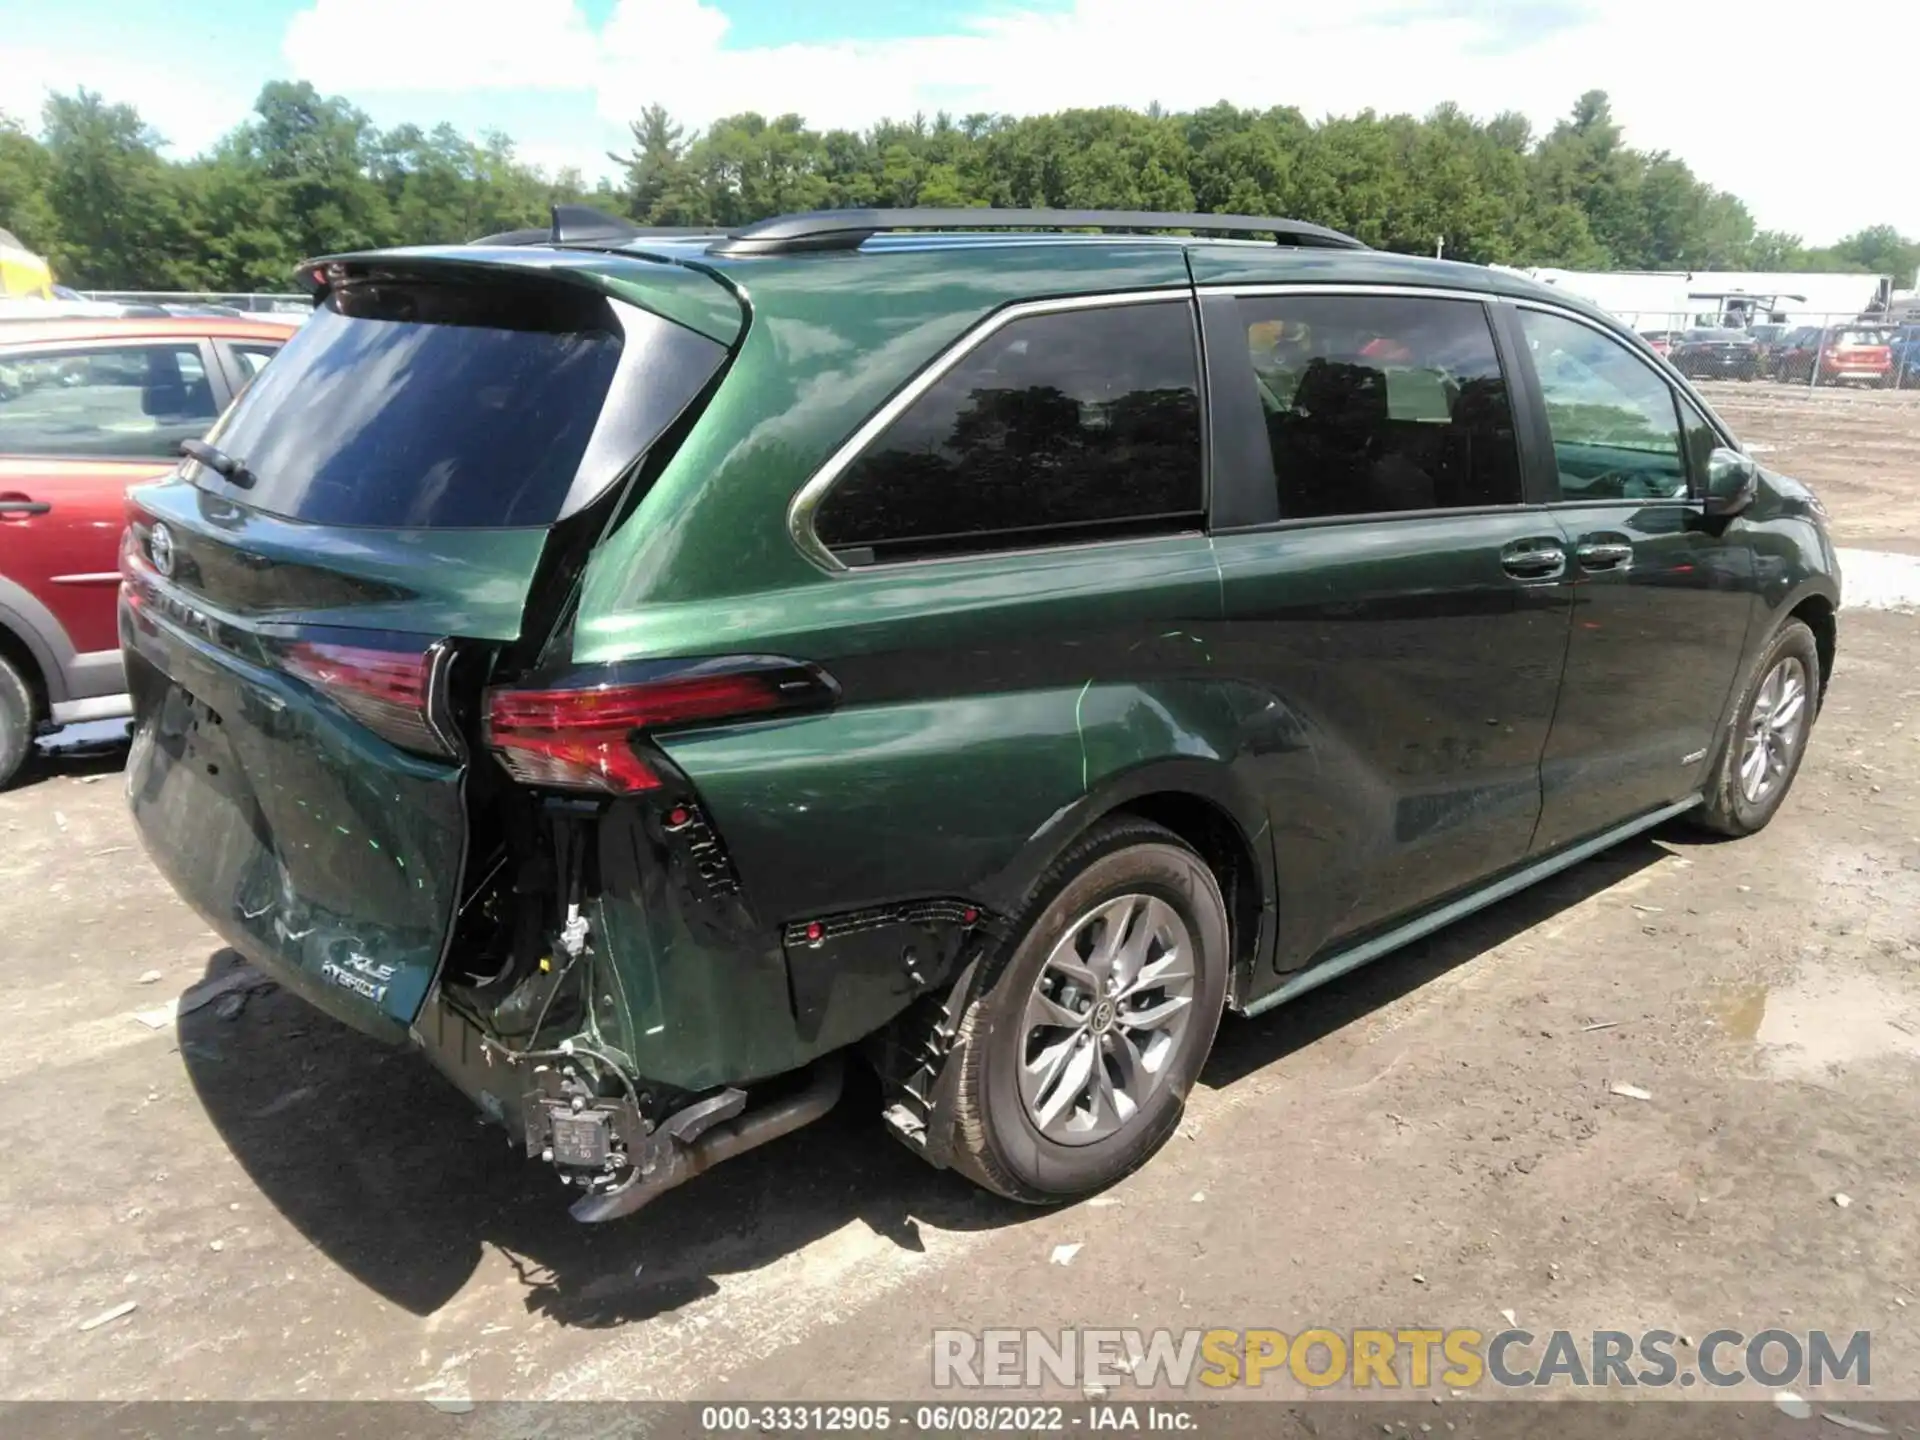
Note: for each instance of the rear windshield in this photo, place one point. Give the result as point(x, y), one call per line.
point(1861, 337)
point(416, 405)
point(1718, 336)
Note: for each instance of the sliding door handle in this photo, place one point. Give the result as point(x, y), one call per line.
point(1604, 555)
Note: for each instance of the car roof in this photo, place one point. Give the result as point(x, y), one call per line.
point(16, 330)
point(1034, 264)
point(900, 242)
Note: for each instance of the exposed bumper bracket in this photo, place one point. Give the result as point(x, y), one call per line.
point(710, 1131)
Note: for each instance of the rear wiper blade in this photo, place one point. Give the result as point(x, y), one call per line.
point(218, 461)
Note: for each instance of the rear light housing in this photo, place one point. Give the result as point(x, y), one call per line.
point(388, 691)
point(585, 732)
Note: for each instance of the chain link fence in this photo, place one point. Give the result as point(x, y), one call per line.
point(1816, 351)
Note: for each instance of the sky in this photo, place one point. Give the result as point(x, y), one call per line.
point(1799, 109)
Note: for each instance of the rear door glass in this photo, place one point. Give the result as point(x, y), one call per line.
point(416, 405)
point(108, 402)
point(1381, 404)
point(1070, 427)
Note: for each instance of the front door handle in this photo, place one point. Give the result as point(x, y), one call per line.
point(24, 507)
point(1604, 555)
point(1534, 560)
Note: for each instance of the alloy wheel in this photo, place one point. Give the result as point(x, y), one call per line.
point(1774, 729)
point(1105, 1018)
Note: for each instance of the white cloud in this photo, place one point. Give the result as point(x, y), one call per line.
point(423, 45)
point(189, 117)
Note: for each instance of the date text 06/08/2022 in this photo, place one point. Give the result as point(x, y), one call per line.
point(944, 1419)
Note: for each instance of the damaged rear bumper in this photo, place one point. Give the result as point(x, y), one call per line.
point(623, 1151)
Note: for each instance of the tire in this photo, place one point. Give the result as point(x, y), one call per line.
point(16, 722)
point(1734, 805)
point(1000, 1142)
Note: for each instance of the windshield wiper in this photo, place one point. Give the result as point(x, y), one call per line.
point(218, 461)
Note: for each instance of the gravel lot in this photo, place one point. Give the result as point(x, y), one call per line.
point(297, 1212)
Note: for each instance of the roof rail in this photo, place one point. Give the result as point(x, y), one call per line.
point(849, 229)
point(584, 226)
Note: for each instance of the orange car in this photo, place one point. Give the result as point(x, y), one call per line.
point(89, 406)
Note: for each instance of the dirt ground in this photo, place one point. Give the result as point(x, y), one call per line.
point(1859, 449)
point(298, 1212)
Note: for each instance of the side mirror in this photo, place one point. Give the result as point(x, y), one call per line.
point(1732, 482)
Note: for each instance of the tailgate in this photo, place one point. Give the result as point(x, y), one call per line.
point(310, 609)
point(327, 856)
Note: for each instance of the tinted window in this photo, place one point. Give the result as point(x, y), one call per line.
point(404, 405)
point(112, 402)
point(1382, 404)
point(1078, 426)
point(1616, 435)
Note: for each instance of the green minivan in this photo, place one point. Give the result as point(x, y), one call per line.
point(640, 669)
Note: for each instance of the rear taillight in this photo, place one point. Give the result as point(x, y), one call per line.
point(385, 690)
point(582, 737)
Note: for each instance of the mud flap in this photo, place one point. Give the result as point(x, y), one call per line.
point(920, 1105)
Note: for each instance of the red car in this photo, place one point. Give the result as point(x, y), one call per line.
point(1846, 355)
point(88, 407)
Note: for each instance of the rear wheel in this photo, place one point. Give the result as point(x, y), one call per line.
point(16, 721)
point(1077, 1057)
point(1761, 751)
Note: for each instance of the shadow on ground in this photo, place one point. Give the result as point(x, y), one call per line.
point(1245, 1046)
point(75, 760)
point(387, 1169)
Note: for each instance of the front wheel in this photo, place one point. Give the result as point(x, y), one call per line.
point(1761, 751)
point(1077, 1056)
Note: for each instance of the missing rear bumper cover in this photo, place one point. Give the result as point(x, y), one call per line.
point(706, 1133)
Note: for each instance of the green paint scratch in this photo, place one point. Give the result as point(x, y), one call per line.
point(1081, 731)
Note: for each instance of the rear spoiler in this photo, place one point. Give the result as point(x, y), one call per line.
point(689, 295)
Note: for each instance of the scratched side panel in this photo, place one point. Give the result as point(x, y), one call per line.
point(981, 698)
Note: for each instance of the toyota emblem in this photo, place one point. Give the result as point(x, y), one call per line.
point(160, 547)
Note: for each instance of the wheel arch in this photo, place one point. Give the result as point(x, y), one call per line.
point(32, 640)
point(1820, 615)
point(1205, 805)
point(19, 654)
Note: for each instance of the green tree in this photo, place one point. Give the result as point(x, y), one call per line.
point(116, 218)
point(314, 158)
point(309, 174)
point(26, 173)
point(1881, 250)
point(657, 191)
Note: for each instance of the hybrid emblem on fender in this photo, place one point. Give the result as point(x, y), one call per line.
point(160, 549)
